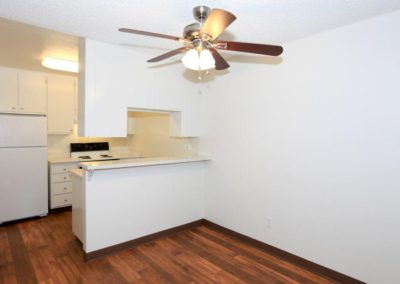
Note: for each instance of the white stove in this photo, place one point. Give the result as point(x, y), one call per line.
point(89, 152)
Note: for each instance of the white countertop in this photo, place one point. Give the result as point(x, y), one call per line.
point(65, 158)
point(140, 162)
point(61, 158)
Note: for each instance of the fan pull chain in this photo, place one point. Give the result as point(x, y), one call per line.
point(199, 75)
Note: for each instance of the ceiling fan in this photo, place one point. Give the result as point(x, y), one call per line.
point(200, 41)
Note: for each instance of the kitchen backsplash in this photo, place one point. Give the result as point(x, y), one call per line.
point(151, 139)
point(59, 144)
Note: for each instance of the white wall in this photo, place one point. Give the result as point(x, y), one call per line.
point(314, 142)
point(114, 78)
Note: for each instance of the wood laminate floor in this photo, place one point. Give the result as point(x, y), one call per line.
point(45, 251)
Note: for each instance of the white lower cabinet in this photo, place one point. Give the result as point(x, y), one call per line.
point(61, 200)
point(64, 177)
point(61, 188)
point(60, 184)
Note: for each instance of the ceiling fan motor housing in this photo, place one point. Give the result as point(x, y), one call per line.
point(191, 31)
point(200, 13)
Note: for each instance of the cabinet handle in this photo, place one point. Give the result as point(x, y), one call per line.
point(65, 200)
point(22, 108)
point(65, 188)
point(65, 177)
point(65, 170)
point(13, 107)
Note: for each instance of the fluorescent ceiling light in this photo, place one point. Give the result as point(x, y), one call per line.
point(204, 61)
point(60, 64)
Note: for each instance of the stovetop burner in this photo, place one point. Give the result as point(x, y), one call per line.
point(85, 157)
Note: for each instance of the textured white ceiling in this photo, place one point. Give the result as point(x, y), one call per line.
point(24, 46)
point(262, 21)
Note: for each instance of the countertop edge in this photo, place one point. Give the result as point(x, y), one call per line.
point(65, 159)
point(139, 162)
point(62, 160)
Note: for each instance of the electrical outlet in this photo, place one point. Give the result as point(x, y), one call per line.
point(268, 222)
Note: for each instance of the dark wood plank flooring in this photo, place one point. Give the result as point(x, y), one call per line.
point(45, 251)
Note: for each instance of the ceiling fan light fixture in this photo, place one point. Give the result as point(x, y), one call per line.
point(195, 60)
point(191, 59)
point(206, 60)
point(201, 43)
point(60, 64)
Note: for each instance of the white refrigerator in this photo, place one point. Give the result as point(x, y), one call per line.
point(23, 167)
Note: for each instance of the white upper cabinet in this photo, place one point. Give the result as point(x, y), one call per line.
point(32, 92)
point(22, 91)
point(61, 104)
point(113, 79)
point(8, 90)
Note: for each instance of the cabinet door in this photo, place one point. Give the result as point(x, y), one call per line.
point(61, 104)
point(32, 92)
point(8, 90)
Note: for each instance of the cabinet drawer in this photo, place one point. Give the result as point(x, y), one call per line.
point(61, 188)
point(61, 200)
point(60, 177)
point(63, 167)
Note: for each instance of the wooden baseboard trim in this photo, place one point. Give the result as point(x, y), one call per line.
point(132, 243)
point(309, 265)
point(61, 209)
point(312, 266)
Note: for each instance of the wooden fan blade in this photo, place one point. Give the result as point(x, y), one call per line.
point(220, 62)
point(217, 21)
point(168, 54)
point(265, 49)
point(125, 30)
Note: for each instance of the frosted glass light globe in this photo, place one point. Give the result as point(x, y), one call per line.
point(206, 60)
point(193, 61)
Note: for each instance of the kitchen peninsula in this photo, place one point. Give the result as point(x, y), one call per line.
point(116, 202)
